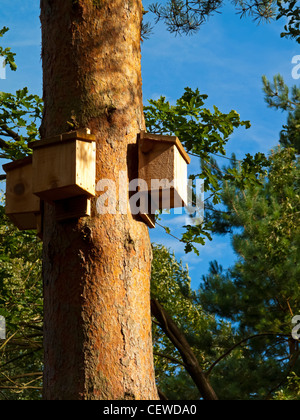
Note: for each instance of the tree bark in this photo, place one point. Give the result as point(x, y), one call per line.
point(97, 322)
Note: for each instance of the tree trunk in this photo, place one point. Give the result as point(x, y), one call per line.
point(97, 322)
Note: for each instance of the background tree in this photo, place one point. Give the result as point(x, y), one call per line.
point(290, 10)
point(206, 337)
point(187, 17)
point(280, 97)
point(204, 134)
point(260, 294)
point(21, 294)
point(21, 303)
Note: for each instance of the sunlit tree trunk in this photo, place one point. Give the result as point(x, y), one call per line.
point(96, 270)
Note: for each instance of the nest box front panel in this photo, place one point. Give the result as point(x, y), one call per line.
point(163, 165)
point(67, 169)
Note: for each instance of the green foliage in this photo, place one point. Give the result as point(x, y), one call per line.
point(290, 10)
point(184, 17)
point(21, 304)
point(200, 130)
point(290, 135)
point(292, 390)
point(279, 96)
point(20, 117)
point(6, 53)
point(204, 133)
point(21, 296)
point(187, 17)
point(171, 286)
point(260, 294)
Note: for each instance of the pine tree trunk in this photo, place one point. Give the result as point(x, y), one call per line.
point(97, 322)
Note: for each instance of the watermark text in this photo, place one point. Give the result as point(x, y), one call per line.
point(296, 68)
point(296, 329)
point(2, 68)
point(2, 328)
point(121, 196)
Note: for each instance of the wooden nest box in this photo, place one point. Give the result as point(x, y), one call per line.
point(22, 206)
point(163, 166)
point(64, 166)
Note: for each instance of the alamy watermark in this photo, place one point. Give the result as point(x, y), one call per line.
point(296, 68)
point(2, 328)
point(2, 68)
point(138, 197)
point(296, 329)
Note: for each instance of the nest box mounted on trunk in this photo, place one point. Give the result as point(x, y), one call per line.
point(22, 206)
point(64, 172)
point(163, 168)
point(64, 166)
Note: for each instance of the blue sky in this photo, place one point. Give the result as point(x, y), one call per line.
point(225, 60)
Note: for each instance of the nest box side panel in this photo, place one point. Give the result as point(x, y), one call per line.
point(86, 167)
point(24, 221)
point(180, 180)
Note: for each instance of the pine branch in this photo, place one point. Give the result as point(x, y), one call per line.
point(189, 359)
point(237, 345)
point(172, 359)
point(23, 375)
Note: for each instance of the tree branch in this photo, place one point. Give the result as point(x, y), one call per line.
point(161, 395)
point(24, 375)
point(9, 132)
point(172, 359)
point(21, 388)
point(237, 345)
point(3, 144)
point(188, 357)
point(22, 356)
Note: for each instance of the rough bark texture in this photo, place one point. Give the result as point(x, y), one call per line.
point(96, 270)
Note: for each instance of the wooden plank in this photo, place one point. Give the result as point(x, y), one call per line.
point(86, 166)
point(83, 134)
point(23, 221)
point(149, 219)
point(39, 226)
point(17, 163)
point(54, 170)
point(164, 168)
point(21, 204)
point(148, 137)
point(63, 170)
